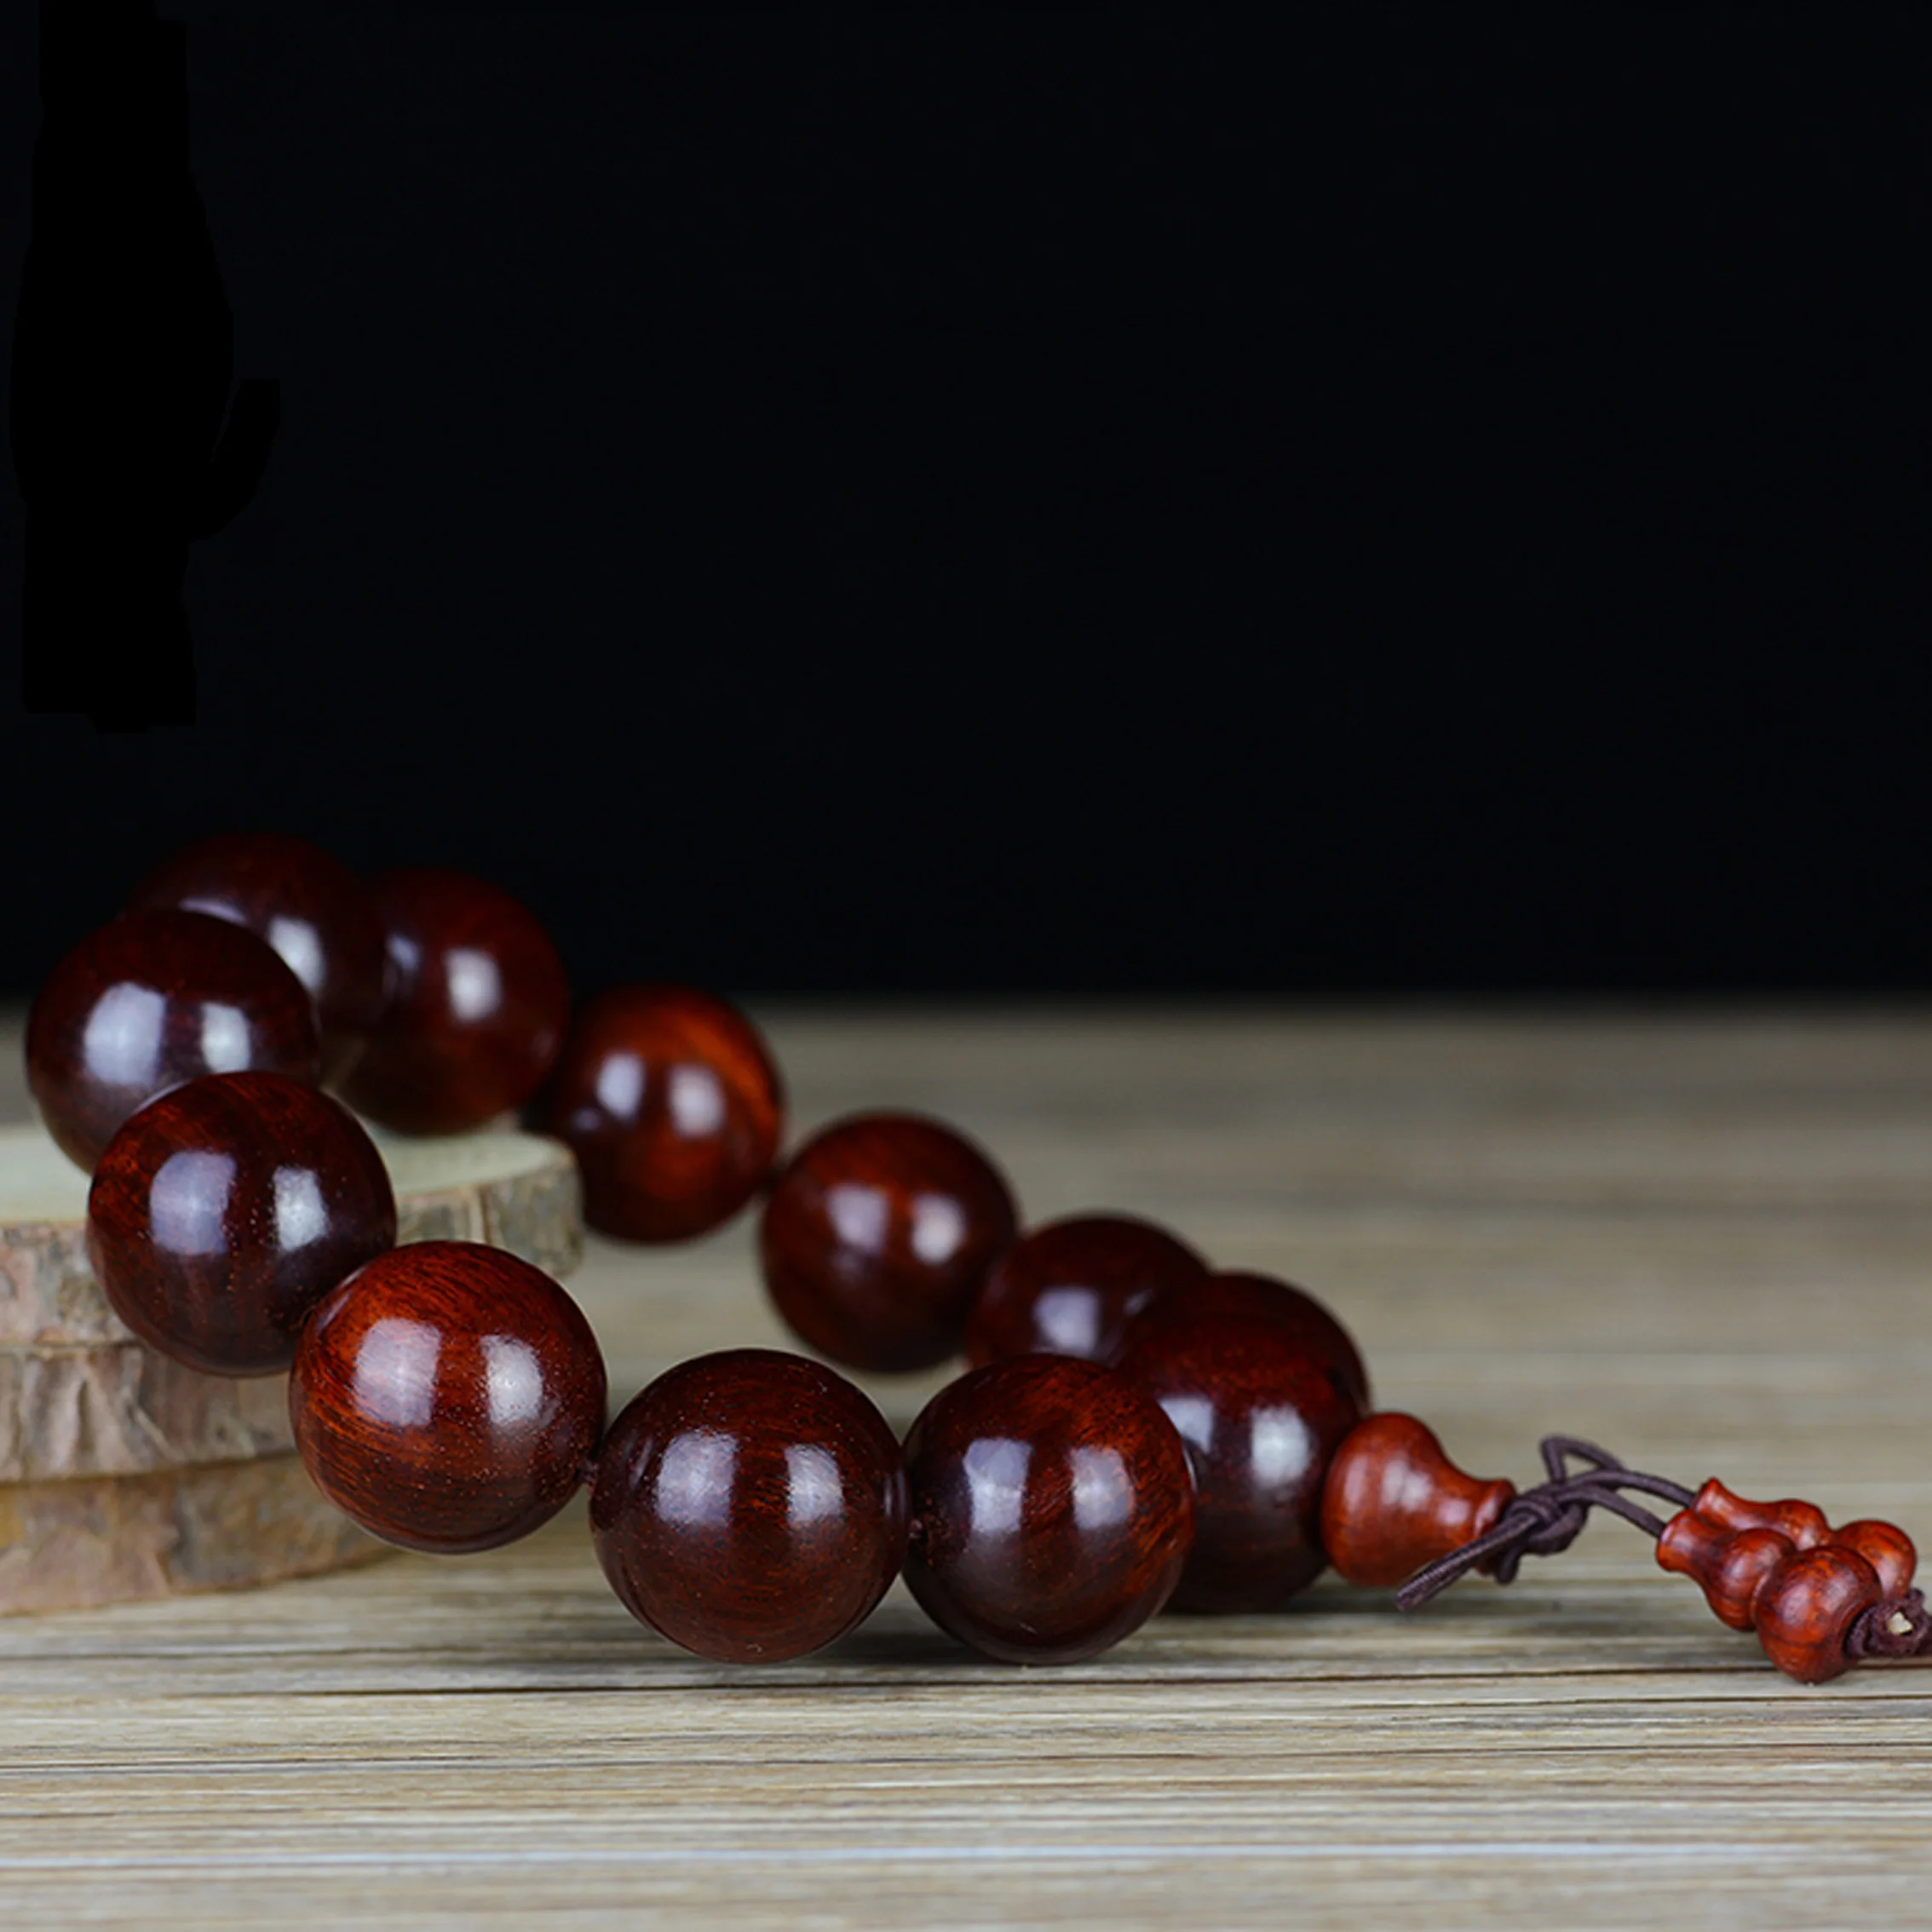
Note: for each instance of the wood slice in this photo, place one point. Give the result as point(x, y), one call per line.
point(124, 1410)
point(516, 1191)
point(121, 1539)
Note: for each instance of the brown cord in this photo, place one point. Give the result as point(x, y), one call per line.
point(1544, 1519)
point(1900, 1626)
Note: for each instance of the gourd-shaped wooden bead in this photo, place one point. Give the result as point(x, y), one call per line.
point(1779, 1569)
point(1394, 1501)
point(1805, 1611)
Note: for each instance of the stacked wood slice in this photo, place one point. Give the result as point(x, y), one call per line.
point(123, 1475)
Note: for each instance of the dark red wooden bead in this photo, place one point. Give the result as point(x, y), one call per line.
point(879, 1234)
point(1806, 1612)
point(151, 1000)
point(750, 1506)
point(447, 1396)
point(1393, 1501)
point(477, 1004)
point(673, 1107)
point(1271, 1300)
point(1261, 1413)
point(315, 913)
point(1074, 1286)
point(224, 1211)
point(1052, 1509)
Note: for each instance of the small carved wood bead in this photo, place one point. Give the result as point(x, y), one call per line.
point(673, 1107)
point(447, 1396)
point(1885, 1547)
point(149, 1001)
point(1393, 1502)
point(1807, 1607)
point(1074, 1286)
point(1052, 1509)
point(1261, 1415)
point(878, 1234)
point(222, 1212)
point(750, 1506)
point(1240, 1293)
point(477, 1004)
point(1803, 1522)
point(317, 914)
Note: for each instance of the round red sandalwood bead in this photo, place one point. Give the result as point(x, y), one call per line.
point(1262, 1414)
point(877, 1236)
point(317, 914)
point(149, 1001)
point(1074, 1286)
point(672, 1106)
point(447, 1396)
point(477, 1004)
point(1052, 1509)
point(1263, 1296)
point(750, 1506)
point(223, 1210)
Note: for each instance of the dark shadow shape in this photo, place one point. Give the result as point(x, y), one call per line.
point(122, 357)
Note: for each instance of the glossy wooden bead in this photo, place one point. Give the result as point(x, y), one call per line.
point(1263, 1296)
point(1805, 1523)
point(151, 1000)
point(750, 1506)
point(1393, 1502)
point(1885, 1547)
point(317, 914)
point(1806, 1612)
point(878, 1234)
point(222, 1212)
point(673, 1107)
point(477, 1004)
point(1262, 1414)
point(1071, 1287)
point(447, 1396)
point(1052, 1509)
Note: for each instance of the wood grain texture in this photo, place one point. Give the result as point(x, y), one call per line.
point(1704, 1241)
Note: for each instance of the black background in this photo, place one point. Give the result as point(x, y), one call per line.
point(1347, 499)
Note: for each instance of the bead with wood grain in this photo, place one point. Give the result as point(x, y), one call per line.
point(1393, 1501)
point(1052, 1509)
point(669, 1101)
point(447, 1396)
point(477, 1008)
point(223, 1210)
point(1074, 1286)
point(153, 999)
point(879, 1233)
point(320, 918)
point(750, 1506)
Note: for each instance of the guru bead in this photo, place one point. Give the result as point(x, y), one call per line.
point(151, 1000)
point(1394, 1502)
point(1260, 1414)
point(478, 1004)
point(1280, 1303)
point(750, 1506)
point(447, 1396)
point(317, 914)
point(672, 1106)
point(1074, 1286)
point(877, 1236)
point(1052, 1509)
point(222, 1212)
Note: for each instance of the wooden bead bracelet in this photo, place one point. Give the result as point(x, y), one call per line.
point(1136, 1431)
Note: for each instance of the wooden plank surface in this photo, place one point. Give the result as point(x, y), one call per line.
point(1705, 1241)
